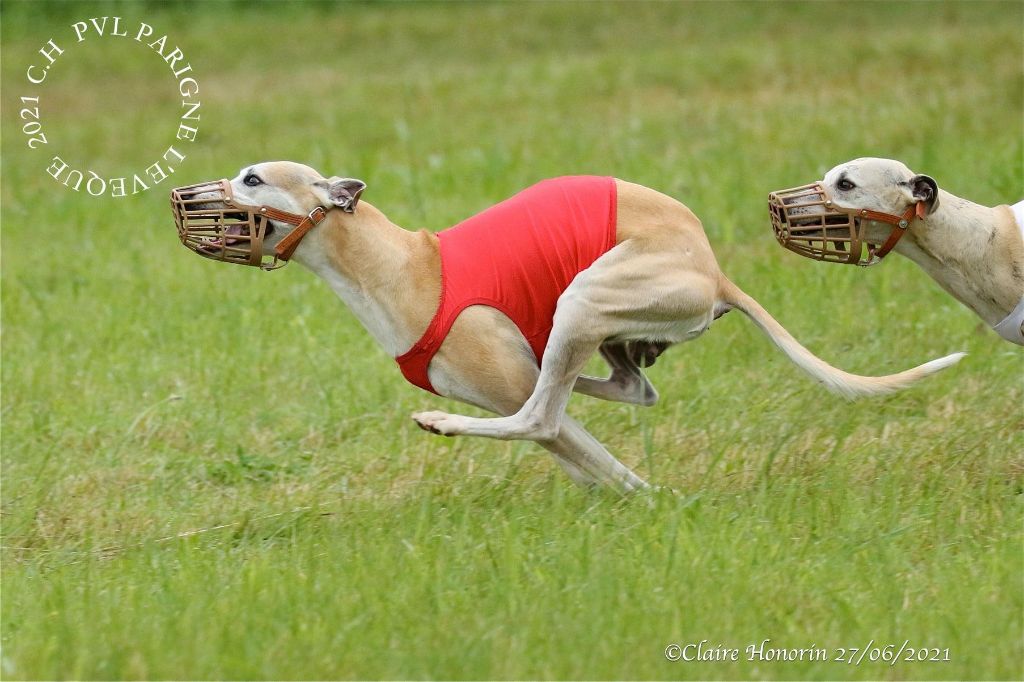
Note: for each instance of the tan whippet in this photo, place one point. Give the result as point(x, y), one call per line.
point(657, 284)
point(974, 252)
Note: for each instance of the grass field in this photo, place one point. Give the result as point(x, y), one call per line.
point(210, 472)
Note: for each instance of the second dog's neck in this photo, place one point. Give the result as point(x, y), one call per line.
point(974, 252)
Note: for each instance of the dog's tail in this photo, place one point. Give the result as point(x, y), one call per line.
point(836, 380)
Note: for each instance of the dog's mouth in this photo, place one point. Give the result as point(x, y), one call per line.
point(831, 228)
point(234, 234)
point(826, 237)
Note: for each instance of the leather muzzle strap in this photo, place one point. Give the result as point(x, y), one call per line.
point(899, 223)
point(303, 224)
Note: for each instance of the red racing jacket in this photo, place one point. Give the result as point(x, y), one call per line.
point(518, 257)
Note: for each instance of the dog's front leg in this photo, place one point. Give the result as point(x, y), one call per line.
point(578, 447)
point(570, 345)
point(540, 417)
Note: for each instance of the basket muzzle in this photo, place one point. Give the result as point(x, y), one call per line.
point(807, 222)
point(213, 224)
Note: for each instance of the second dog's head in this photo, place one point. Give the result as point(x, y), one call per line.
point(881, 185)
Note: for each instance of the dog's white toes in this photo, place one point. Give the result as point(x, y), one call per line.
point(441, 423)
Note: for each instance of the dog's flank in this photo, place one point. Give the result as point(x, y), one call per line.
point(658, 284)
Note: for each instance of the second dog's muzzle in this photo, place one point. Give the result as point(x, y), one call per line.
point(211, 223)
point(807, 222)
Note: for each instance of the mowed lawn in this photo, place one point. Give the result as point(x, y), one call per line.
point(210, 472)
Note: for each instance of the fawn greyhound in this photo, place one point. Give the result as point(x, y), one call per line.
point(503, 310)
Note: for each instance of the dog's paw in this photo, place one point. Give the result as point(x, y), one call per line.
point(441, 423)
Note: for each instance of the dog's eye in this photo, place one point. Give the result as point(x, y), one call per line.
point(845, 185)
point(252, 180)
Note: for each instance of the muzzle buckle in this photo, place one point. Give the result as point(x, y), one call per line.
point(317, 214)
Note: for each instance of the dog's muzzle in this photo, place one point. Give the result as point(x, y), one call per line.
point(807, 222)
point(211, 223)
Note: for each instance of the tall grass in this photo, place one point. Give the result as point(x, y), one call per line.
point(210, 472)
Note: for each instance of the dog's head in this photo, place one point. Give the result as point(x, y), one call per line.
point(243, 220)
point(880, 185)
point(855, 215)
point(294, 188)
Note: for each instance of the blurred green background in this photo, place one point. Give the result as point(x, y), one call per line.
point(209, 472)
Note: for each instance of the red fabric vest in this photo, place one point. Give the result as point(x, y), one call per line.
point(518, 257)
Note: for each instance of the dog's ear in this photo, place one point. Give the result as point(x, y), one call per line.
point(342, 192)
point(925, 190)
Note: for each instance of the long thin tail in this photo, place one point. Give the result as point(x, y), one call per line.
point(836, 380)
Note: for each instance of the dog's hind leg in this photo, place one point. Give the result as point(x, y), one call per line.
point(627, 383)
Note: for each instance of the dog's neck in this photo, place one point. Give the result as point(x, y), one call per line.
point(383, 273)
point(974, 252)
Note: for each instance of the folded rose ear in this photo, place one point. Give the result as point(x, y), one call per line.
point(925, 191)
point(342, 192)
